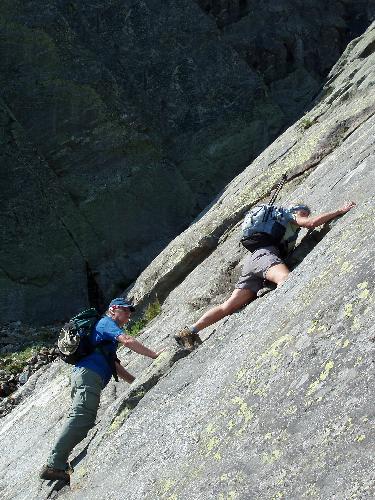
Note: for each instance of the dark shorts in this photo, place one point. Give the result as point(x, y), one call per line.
point(256, 266)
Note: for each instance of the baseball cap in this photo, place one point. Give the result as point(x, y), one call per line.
point(300, 206)
point(121, 302)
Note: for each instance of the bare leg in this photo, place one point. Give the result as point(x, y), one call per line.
point(239, 298)
point(277, 274)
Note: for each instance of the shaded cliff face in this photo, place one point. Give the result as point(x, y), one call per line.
point(277, 402)
point(121, 120)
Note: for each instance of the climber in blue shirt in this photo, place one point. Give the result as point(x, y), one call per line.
point(89, 376)
point(108, 331)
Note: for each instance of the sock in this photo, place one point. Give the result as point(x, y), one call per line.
point(193, 329)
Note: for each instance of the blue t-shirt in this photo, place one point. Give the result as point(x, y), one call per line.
point(108, 330)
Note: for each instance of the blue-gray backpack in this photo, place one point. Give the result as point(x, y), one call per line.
point(262, 227)
point(267, 225)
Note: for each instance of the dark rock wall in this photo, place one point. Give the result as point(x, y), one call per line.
point(133, 115)
point(291, 45)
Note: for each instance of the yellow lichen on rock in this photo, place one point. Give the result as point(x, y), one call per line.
point(270, 458)
point(322, 377)
point(119, 420)
point(212, 444)
point(348, 310)
point(273, 351)
point(291, 410)
point(356, 325)
point(360, 438)
point(165, 485)
point(328, 367)
point(346, 267)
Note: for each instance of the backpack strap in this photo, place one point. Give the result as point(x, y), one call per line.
point(110, 357)
point(273, 198)
point(278, 189)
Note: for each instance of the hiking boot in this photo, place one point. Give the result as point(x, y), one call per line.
point(197, 340)
point(265, 289)
point(51, 474)
point(188, 340)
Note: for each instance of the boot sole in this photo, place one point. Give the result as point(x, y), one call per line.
point(198, 342)
point(65, 480)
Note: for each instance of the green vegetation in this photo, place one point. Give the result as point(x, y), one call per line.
point(306, 123)
point(136, 327)
point(151, 312)
point(15, 362)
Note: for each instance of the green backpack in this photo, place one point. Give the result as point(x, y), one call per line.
point(74, 337)
point(74, 340)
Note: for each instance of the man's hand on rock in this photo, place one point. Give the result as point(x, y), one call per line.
point(347, 206)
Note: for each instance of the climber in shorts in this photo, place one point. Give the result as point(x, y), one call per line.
point(264, 264)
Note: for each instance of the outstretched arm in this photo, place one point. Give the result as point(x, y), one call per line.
point(134, 345)
point(318, 220)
